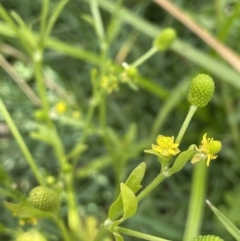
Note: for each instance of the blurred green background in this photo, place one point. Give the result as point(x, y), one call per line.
point(163, 81)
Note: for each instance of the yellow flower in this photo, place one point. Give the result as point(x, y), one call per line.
point(61, 107)
point(207, 150)
point(166, 146)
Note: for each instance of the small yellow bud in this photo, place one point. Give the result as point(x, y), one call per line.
point(61, 107)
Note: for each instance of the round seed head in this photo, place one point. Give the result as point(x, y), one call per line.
point(44, 199)
point(214, 147)
point(207, 238)
point(201, 90)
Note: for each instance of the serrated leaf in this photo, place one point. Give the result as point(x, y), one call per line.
point(133, 182)
point(118, 237)
point(231, 228)
point(129, 201)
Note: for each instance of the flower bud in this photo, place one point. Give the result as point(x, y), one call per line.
point(200, 90)
point(132, 72)
point(165, 39)
point(207, 238)
point(44, 199)
point(40, 115)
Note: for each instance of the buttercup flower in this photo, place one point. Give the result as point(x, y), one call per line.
point(61, 107)
point(207, 150)
point(166, 146)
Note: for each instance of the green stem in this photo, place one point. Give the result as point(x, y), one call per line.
point(88, 119)
point(45, 7)
point(103, 112)
point(228, 22)
point(144, 57)
point(21, 143)
point(186, 122)
point(138, 234)
point(58, 147)
point(98, 23)
point(195, 210)
point(170, 103)
point(37, 62)
point(103, 231)
point(62, 227)
point(54, 16)
point(152, 185)
point(74, 222)
point(229, 109)
point(73, 216)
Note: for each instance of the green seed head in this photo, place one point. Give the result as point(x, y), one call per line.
point(201, 90)
point(132, 72)
point(214, 147)
point(165, 39)
point(44, 199)
point(3, 175)
point(207, 238)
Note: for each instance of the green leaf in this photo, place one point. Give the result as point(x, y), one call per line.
point(181, 160)
point(130, 134)
point(78, 149)
point(129, 201)
point(135, 178)
point(151, 151)
point(44, 134)
point(87, 18)
point(231, 228)
point(115, 208)
point(163, 161)
point(93, 166)
point(133, 182)
point(118, 237)
point(25, 210)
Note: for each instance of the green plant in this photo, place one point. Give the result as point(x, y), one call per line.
point(90, 120)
